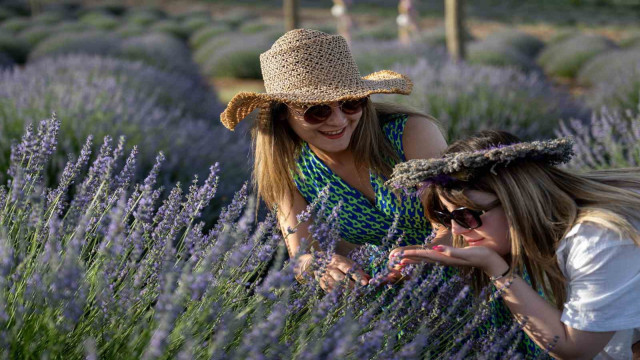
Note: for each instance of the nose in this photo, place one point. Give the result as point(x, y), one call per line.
point(337, 117)
point(456, 229)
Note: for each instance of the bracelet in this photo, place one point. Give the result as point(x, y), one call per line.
point(498, 277)
point(506, 286)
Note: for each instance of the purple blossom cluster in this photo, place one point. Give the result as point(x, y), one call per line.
point(610, 139)
point(160, 111)
point(467, 98)
point(116, 270)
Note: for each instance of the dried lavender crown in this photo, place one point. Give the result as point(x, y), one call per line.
point(413, 172)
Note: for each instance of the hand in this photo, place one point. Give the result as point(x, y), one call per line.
point(477, 256)
point(339, 269)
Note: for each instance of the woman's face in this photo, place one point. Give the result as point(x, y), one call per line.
point(329, 136)
point(494, 232)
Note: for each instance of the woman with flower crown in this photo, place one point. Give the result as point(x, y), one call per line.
point(563, 249)
point(317, 127)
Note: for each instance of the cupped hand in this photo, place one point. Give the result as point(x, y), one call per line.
point(340, 269)
point(474, 256)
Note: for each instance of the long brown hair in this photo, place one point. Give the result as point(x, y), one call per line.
point(542, 203)
point(276, 147)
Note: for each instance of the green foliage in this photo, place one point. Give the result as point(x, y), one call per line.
point(565, 58)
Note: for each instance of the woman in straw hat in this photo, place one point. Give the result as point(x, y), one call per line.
point(317, 127)
point(563, 249)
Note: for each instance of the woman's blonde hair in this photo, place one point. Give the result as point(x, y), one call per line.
point(276, 147)
point(542, 203)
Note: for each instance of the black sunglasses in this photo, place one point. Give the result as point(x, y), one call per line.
point(317, 114)
point(465, 217)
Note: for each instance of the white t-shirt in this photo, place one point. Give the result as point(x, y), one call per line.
point(603, 294)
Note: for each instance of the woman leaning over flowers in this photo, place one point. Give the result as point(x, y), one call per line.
point(317, 127)
point(562, 248)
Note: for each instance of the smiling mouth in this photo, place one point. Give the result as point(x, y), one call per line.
point(333, 133)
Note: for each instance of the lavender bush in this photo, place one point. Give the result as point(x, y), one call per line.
point(15, 24)
point(469, 98)
point(565, 58)
point(116, 272)
point(5, 61)
point(375, 55)
point(494, 53)
point(608, 66)
point(234, 55)
point(88, 42)
point(524, 43)
point(13, 46)
point(611, 139)
point(172, 27)
point(204, 34)
point(161, 50)
point(35, 34)
point(100, 20)
point(156, 109)
point(621, 91)
point(143, 17)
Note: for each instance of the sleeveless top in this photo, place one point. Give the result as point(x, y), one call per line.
point(361, 221)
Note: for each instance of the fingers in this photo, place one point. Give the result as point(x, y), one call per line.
point(349, 267)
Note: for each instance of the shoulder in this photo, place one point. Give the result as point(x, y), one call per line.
point(588, 246)
point(603, 275)
point(422, 138)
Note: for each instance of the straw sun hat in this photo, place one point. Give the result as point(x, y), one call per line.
point(310, 67)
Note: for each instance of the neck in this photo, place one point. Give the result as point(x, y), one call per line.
point(344, 157)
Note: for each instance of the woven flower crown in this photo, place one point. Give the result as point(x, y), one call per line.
point(450, 167)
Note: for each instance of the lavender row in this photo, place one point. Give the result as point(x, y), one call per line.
point(157, 110)
point(117, 270)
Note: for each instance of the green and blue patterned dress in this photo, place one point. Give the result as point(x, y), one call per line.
point(361, 221)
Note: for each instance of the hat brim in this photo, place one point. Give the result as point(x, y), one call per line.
point(381, 82)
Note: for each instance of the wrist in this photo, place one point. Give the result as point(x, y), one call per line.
point(497, 267)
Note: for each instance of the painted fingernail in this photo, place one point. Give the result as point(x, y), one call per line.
point(395, 255)
point(438, 248)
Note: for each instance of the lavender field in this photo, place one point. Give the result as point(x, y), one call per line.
point(128, 225)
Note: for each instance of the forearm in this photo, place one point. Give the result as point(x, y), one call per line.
point(542, 322)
